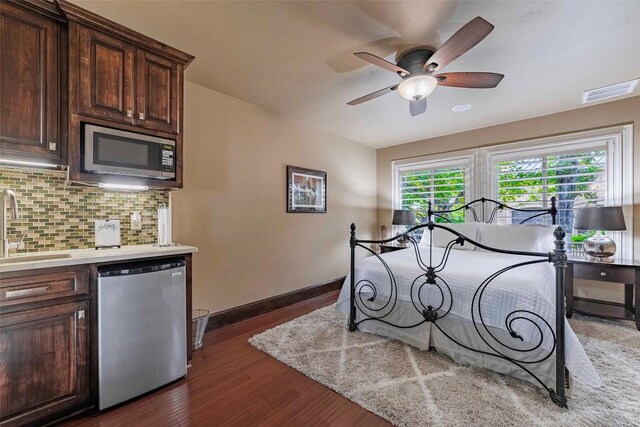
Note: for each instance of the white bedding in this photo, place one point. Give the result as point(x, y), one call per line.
point(530, 287)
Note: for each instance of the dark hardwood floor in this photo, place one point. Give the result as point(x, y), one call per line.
point(231, 383)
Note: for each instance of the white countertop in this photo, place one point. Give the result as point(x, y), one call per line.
point(93, 256)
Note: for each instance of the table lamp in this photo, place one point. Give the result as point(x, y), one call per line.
point(403, 217)
point(599, 247)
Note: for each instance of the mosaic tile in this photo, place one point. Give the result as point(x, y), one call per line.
point(58, 216)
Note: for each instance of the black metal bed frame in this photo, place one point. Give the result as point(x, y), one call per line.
point(431, 314)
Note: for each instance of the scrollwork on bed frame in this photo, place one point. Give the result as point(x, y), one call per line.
point(498, 206)
point(364, 294)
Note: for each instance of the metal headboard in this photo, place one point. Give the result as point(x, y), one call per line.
point(497, 206)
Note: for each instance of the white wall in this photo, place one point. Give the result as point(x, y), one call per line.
point(233, 205)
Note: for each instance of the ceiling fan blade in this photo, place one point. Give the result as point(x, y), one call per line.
point(463, 40)
point(418, 107)
point(373, 95)
point(376, 60)
point(469, 80)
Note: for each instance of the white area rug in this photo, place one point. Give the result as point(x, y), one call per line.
point(409, 387)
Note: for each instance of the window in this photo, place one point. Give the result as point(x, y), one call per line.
point(444, 188)
point(592, 168)
point(587, 169)
point(575, 179)
point(443, 182)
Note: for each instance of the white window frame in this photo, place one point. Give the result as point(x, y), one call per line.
point(491, 158)
point(618, 142)
point(467, 159)
point(480, 168)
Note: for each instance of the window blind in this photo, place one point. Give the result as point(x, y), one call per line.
point(443, 187)
point(575, 179)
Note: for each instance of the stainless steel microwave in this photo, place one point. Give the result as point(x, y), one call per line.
point(118, 152)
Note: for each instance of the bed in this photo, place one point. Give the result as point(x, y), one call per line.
point(459, 291)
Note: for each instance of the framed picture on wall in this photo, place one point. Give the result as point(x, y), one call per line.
point(306, 190)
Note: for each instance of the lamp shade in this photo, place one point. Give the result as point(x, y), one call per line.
point(417, 87)
point(608, 218)
point(403, 217)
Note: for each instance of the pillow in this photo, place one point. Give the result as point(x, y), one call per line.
point(442, 237)
point(518, 237)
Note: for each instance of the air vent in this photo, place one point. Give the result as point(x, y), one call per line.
point(609, 91)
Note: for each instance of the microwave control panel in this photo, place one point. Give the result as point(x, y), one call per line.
point(167, 159)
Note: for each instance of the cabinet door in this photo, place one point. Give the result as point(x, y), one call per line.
point(106, 73)
point(43, 368)
point(29, 98)
point(157, 92)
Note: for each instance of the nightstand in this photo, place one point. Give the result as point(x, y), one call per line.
point(391, 247)
point(626, 272)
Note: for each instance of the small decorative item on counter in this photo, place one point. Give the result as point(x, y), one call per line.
point(107, 233)
point(136, 220)
point(199, 317)
point(164, 226)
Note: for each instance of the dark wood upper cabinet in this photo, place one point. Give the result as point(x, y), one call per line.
point(157, 92)
point(29, 84)
point(119, 82)
point(61, 66)
point(106, 76)
point(122, 79)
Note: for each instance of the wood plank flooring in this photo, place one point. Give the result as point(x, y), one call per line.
point(231, 383)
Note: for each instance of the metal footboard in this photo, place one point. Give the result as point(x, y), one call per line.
point(366, 301)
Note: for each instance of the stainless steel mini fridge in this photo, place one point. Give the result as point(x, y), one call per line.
point(141, 328)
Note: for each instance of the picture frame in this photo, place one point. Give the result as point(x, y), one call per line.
point(306, 190)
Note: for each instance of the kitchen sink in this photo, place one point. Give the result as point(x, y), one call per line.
point(30, 258)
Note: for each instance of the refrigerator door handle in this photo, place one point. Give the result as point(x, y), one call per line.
point(140, 268)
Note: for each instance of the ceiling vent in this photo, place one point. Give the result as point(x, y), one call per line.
point(609, 91)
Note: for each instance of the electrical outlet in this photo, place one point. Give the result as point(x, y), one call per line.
point(136, 221)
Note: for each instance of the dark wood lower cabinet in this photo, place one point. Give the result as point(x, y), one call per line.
point(44, 362)
point(49, 342)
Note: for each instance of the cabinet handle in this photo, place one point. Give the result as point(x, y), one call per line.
point(81, 314)
point(26, 292)
point(141, 115)
point(52, 146)
point(129, 113)
point(602, 273)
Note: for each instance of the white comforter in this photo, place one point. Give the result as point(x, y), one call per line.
point(530, 287)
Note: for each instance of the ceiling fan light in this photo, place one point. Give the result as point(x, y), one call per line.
point(417, 87)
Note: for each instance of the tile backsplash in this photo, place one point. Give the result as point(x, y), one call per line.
point(59, 216)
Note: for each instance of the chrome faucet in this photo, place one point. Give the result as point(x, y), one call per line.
point(15, 214)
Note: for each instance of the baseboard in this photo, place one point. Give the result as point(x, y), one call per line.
point(247, 311)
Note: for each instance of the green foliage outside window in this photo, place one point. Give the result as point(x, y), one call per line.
point(576, 178)
point(443, 187)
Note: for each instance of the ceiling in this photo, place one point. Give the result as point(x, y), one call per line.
point(295, 58)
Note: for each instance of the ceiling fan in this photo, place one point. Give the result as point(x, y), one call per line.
point(417, 67)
